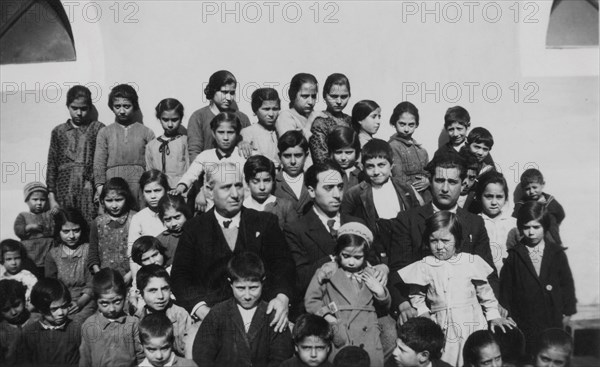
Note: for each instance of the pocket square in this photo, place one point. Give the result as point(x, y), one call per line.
point(257, 234)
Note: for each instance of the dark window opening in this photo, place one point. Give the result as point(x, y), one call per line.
point(33, 31)
point(573, 23)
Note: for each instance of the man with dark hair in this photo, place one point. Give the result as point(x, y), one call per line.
point(312, 238)
point(405, 238)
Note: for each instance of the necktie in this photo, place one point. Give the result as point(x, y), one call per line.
point(226, 223)
point(164, 150)
point(330, 224)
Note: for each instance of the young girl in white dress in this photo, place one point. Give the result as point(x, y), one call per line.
point(452, 288)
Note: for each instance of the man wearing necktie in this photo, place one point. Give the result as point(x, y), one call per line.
point(312, 237)
point(209, 240)
point(406, 241)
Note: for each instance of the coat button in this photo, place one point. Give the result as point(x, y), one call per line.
point(549, 287)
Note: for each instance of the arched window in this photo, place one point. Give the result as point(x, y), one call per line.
point(33, 31)
point(573, 23)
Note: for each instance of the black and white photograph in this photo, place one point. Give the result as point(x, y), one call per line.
point(409, 183)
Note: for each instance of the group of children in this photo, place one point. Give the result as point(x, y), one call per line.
point(89, 281)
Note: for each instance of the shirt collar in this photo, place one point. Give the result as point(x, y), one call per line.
point(451, 210)
point(298, 116)
point(348, 171)
point(407, 142)
point(103, 321)
point(146, 362)
point(120, 219)
point(235, 220)
point(502, 216)
point(71, 125)
point(537, 249)
point(324, 218)
point(67, 251)
point(51, 327)
point(251, 203)
point(221, 156)
point(287, 178)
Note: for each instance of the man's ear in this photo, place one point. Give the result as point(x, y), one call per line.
point(311, 192)
point(423, 357)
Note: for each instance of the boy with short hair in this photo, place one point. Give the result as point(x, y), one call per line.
point(236, 332)
point(293, 153)
point(419, 344)
point(35, 228)
point(262, 135)
point(478, 145)
point(13, 317)
point(55, 339)
point(457, 122)
point(109, 336)
point(532, 187)
point(157, 338)
point(381, 196)
point(312, 337)
point(466, 199)
point(154, 284)
point(259, 173)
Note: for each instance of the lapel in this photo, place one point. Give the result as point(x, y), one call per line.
point(521, 249)
point(217, 232)
point(237, 320)
point(424, 212)
point(240, 242)
point(547, 259)
point(366, 198)
point(346, 289)
point(259, 320)
point(461, 214)
point(283, 185)
point(317, 232)
point(400, 194)
point(343, 286)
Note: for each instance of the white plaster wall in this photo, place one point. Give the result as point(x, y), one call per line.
point(547, 114)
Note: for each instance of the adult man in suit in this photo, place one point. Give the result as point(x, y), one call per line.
point(312, 238)
point(211, 239)
point(406, 241)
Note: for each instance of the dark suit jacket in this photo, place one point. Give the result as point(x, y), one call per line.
point(407, 245)
point(537, 303)
point(311, 244)
point(200, 263)
point(222, 339)
point(356, 176)
point(283, 190)
point(358, 202)
point(284, 210)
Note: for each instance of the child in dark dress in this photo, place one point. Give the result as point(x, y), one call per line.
point(536, 284)
point(70, 174)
